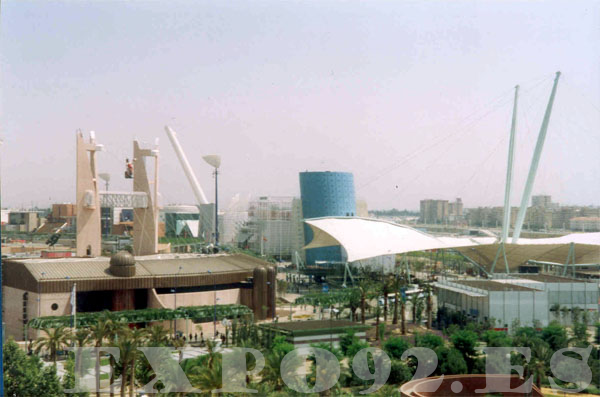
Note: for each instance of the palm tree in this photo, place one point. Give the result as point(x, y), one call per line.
point(209, 378)
point(364, 288)
point(211, 352)
point(98, 332)
point(127, 349)
point(428, 289)
point(397, 284)
point(112, 338)
point(133, 339)
point(377, 313)
point(386, 286)
point(178, 343)
point(271, 373)
point(80, 339)
point(541, 354)
point(55, 340)
point(415, 301)
point(353, 302)
point(157, 335)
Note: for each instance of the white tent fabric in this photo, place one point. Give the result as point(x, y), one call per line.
point(366, 238)
point(191, 226)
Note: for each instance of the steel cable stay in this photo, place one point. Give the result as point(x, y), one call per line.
point(494, 105)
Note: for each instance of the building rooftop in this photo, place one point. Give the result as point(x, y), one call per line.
point(489, 285)
point(548, 278)
point(315, 326)
point(154, 271)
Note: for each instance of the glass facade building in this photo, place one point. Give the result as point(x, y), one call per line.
point(326, 194)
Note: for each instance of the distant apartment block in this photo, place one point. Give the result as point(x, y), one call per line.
point(362, 210)
point(543, 215)
point(440, 211)
point(542, 200)
point(585, 224)
point(22, 221)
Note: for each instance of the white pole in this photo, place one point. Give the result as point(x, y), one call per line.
point(509, 169)
point(187, 169)
point(534, 164)
point(74, 308)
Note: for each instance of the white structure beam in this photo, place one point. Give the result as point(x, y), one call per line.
point(187, 169)
point(509, 170)
point(534, 164)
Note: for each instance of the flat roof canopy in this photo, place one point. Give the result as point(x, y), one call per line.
point(152, 271)
point(364, 238)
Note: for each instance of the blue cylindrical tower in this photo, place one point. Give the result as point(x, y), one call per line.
point(326, 194)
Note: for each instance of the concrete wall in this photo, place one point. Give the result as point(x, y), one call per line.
point(13, 310)
point(205, 298)
point(525, 306)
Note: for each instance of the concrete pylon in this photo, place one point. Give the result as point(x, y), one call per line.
point(88, 201)
point(145, 220)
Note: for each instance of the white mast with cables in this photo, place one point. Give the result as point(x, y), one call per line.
point(534, 164)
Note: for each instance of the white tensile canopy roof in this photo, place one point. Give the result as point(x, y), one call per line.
point(364, 238)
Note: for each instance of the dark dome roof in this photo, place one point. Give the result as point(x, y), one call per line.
point(122, 258)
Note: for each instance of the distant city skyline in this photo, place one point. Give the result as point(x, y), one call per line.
point(414, 99)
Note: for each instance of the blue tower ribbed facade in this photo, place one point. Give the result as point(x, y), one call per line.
point(326, 194)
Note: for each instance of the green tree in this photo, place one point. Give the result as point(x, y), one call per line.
point(399, 373)
point(157, 336)
point(353, 302)
point(280, 344)
point(25, 376)
point(580, 334)
point(395, 347)
point(347, 340)
point(271, 373)
point(465, 341)
point(98, 333)
point(355, 347)
point(496, 338)
point(69, 378)
point(80, 338)
point(450, 361)
point(209, 378)
point(54, 340)
point(377, 315)
point(365, 288)
point(128, 342)
point(538, 364)
point(555, 335)
point(387, 286)
point(416, 302)
point(428, 290)
point(326, 371)
point(428, 340)
point(20, 371)
point(49, 384)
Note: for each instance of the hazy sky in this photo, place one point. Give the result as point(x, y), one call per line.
point(414, 98)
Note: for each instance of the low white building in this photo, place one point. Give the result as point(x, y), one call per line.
point(529, 298)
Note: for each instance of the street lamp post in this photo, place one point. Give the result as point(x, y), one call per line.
point(175, 304)
point(215, 161)
point(214, 306)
